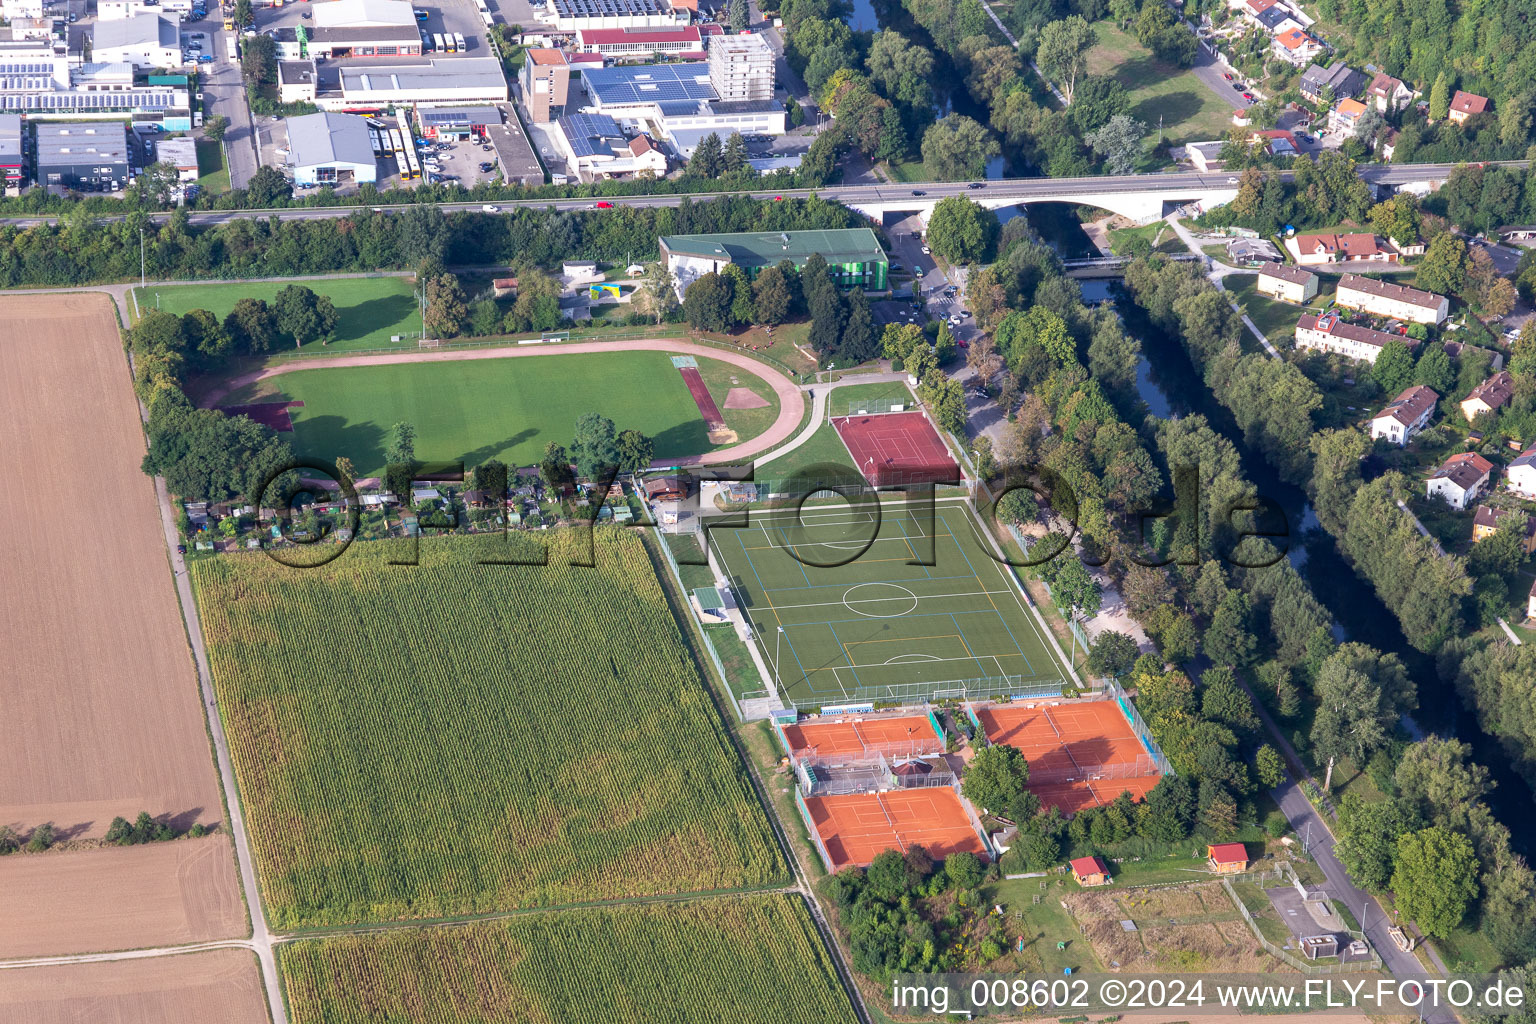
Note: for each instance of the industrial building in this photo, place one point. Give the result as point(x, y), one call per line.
point(296, 81)
point(364, 28)
point(667, 98)
point(114, 10)
point(854, 257)
point(330, 149)
point(685, 42)
point(46, 86)
point(457, 122)
point(181, 153)
point(545, 77)
point(91, 157)
point(10, 148)
point(144, 40)
point(596, 148)
point(574, 15)
point(741, 68)
point(426, 82)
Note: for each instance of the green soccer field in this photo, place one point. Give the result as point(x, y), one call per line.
point(879, 627)
point(508, 409)
point(369, 310)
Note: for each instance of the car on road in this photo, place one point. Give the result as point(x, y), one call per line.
point(918, 192)
point(1226, 76)
point(490, 208)
point(1248, 96)
point(604, 205)
point(778, 199)
point(965, 313)
point(206, 58)
point(977, 184)
point(926, 251)
point(1231, 181)
point(1238, 86)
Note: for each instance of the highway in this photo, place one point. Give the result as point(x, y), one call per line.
point(1177, 185)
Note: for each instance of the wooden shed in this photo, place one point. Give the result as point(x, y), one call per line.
point(1227, 858)
point(1089, 871)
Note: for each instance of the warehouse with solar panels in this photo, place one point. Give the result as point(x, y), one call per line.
point(664, 99)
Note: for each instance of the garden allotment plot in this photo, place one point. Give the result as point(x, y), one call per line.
point(879, 627)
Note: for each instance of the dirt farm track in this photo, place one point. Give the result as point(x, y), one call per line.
point(100, 700)
point(194, 988)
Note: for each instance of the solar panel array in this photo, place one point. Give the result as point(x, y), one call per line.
point(609, 8)
point(656, 83)
point(135, 100)
point(591, 134)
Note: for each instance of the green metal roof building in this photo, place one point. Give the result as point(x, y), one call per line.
point(854, 257)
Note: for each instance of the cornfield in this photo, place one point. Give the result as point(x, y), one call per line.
point(453, 739)
point(740, 959)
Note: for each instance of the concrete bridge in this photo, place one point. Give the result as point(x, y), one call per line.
point(1143, 198)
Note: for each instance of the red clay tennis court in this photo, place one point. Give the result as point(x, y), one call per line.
point(897, 448)
point(854, 828)
point(1080, 754)
point(899, 736)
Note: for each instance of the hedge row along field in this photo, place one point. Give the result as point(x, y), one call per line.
point(453, 739)
point(740, 959)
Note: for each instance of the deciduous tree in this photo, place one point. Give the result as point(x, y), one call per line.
point(1434, 879)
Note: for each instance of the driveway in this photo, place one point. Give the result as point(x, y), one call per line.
point(224, 93)
point(1211, 69)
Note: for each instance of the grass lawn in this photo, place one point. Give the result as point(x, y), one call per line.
point(823, 446)
point(880, 395)
point(212, 175)
point(1190, 111)
point(780, 344)
point(1044, 924)
point(369, 309)
point(1276, 319)
point(1160, 236)
point(479, 409)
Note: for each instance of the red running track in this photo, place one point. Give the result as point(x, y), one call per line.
point(701, 396)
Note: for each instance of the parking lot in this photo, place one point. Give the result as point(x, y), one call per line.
point(461, 16)
point(460, 162)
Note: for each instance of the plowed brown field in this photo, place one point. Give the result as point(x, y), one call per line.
point(161, 894)
point(195, 988)
point(100, 700)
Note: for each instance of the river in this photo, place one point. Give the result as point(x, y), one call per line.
point(1169, 383)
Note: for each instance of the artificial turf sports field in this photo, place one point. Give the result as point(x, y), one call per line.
point(479, 409)
point(879, 627)
point(369, 310)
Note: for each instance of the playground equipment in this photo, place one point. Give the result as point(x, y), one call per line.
point(598, 292)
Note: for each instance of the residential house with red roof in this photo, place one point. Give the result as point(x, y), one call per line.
point(1388, 94)
point(1460, 479)
point(1406, 415)
point(1468, 104)
point(1311, 250)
